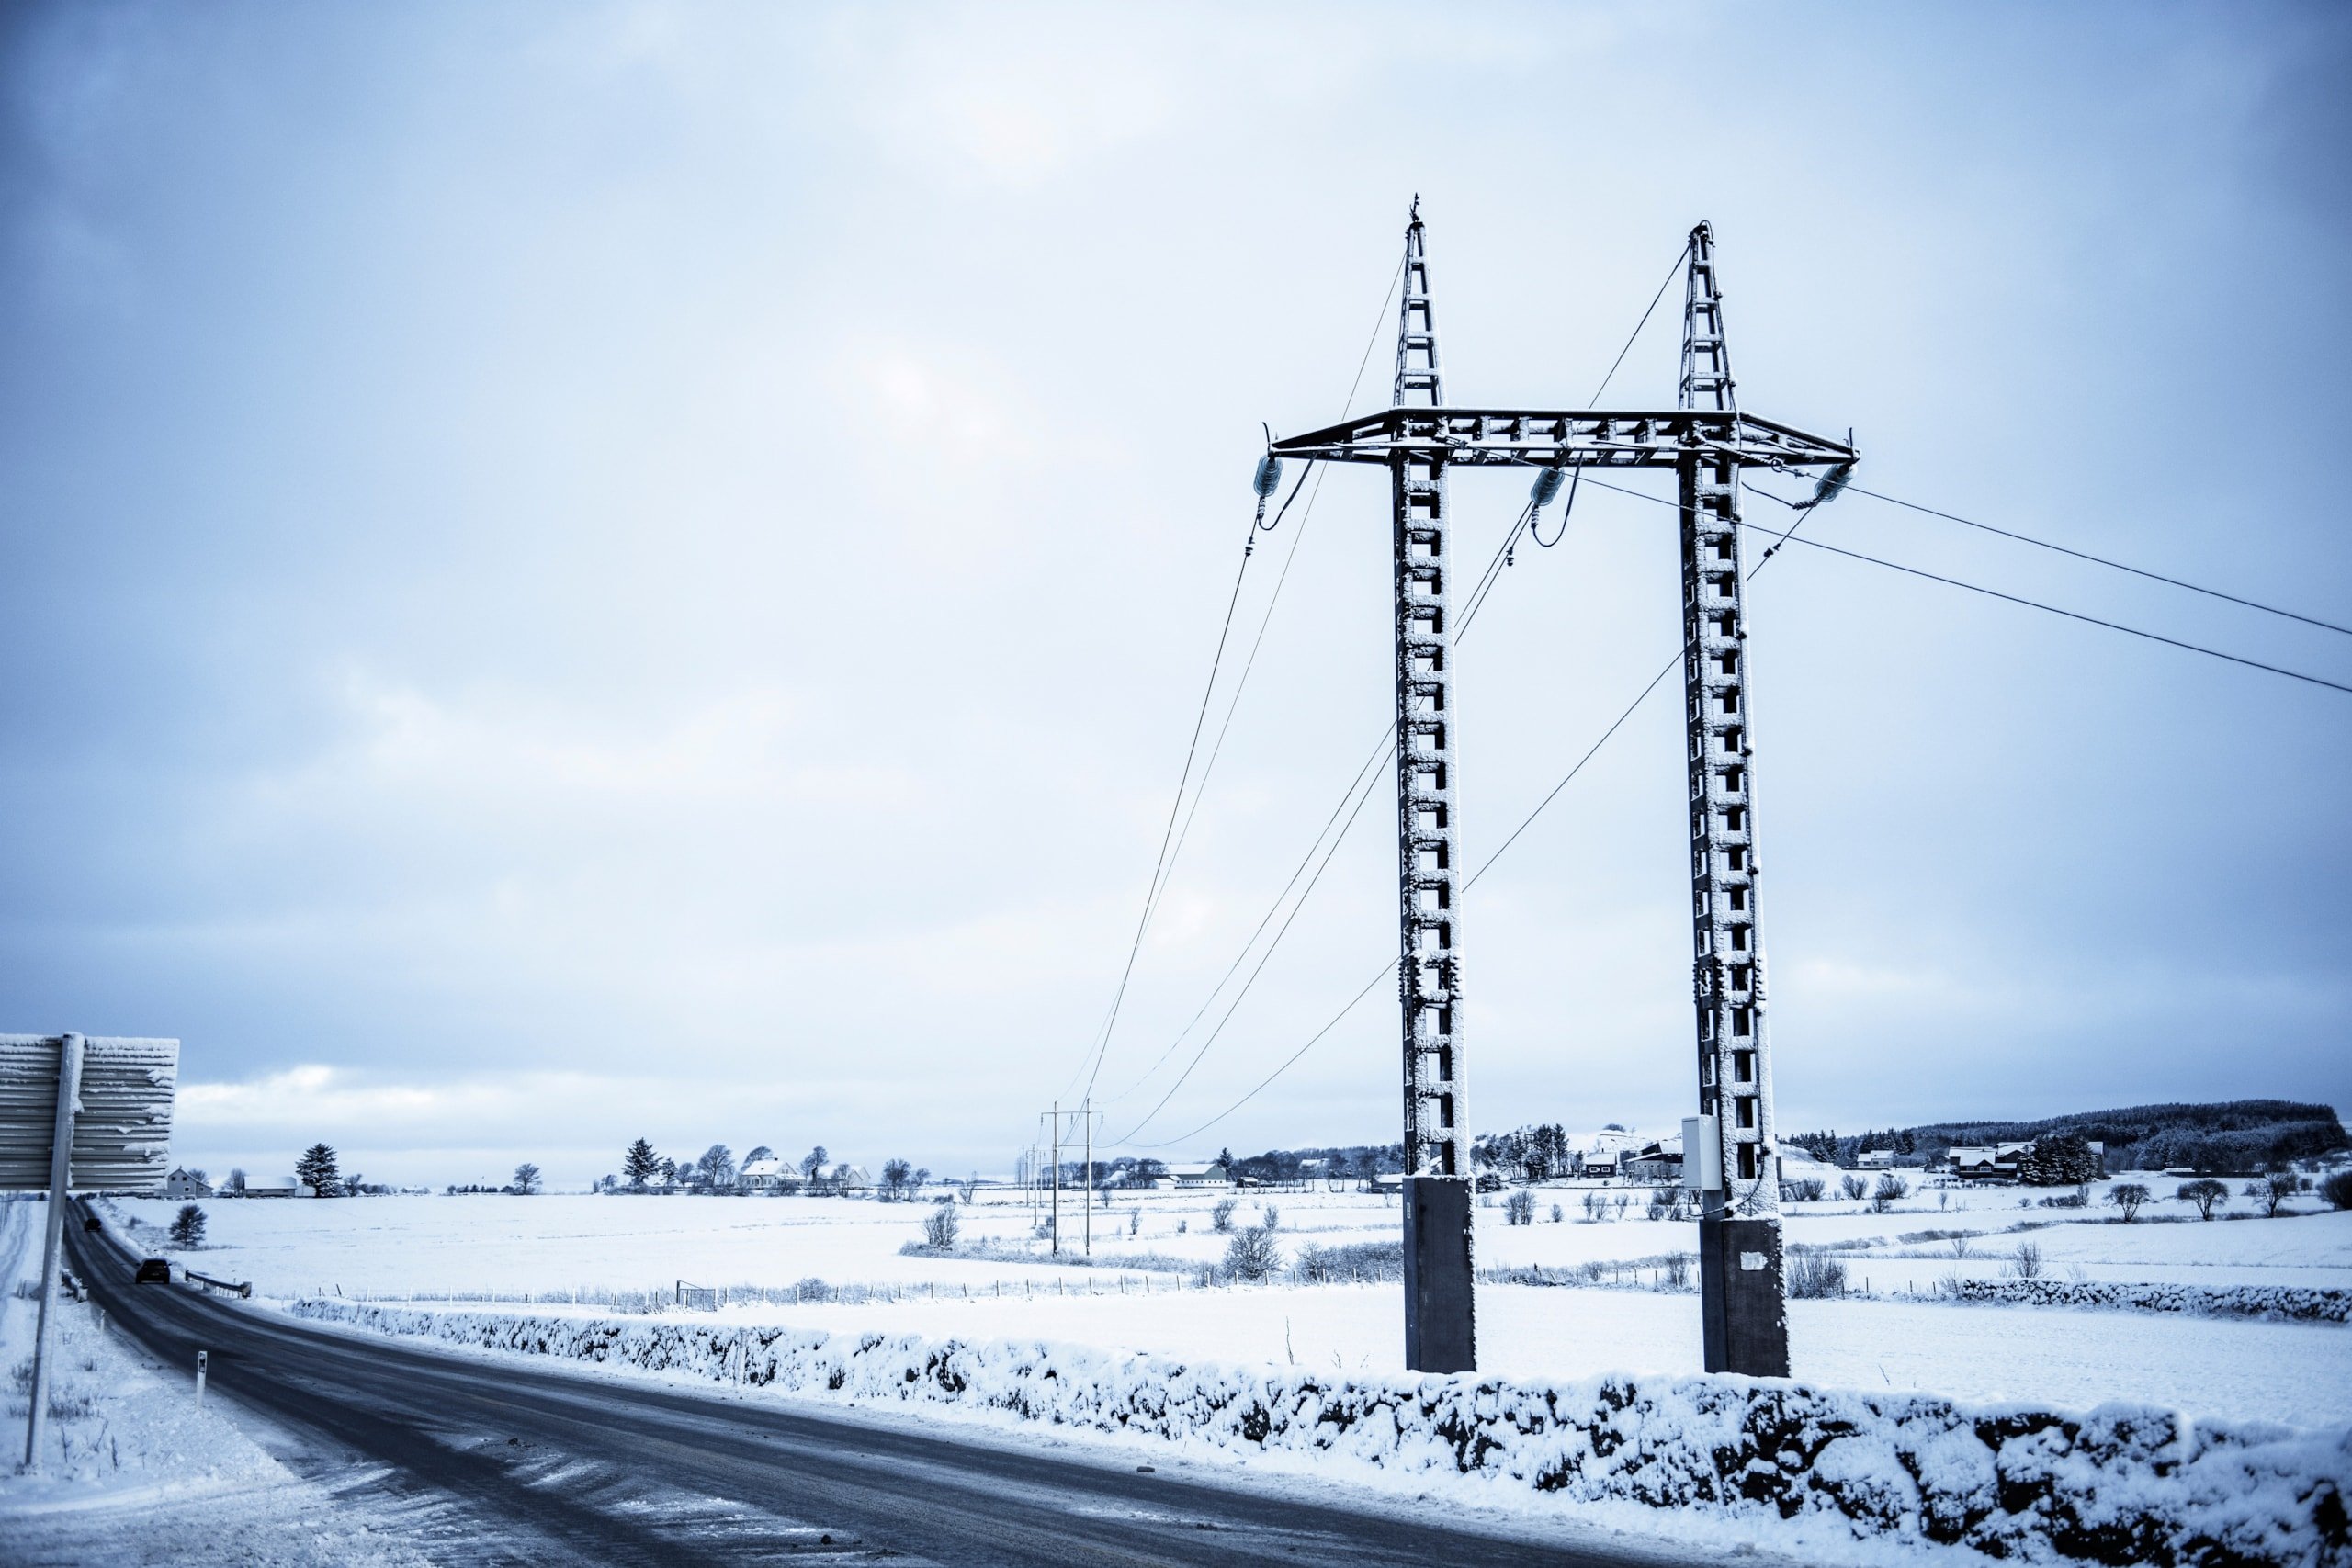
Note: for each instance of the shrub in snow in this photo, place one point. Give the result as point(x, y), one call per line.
point(2122, 1484)
point(2206, 1193)
point(938, 1226)
point(2027, 1262)
point(1853, 1186)
point(2337, 1190)
point(2128, 1196)
point(1559, 1213)
point(1252, 1255)
point(1813, 1273)
point(1519, 1209)
point(1221, 1216)
point(1805, 1189)
point(1270, 1217)
point(1889, 1191)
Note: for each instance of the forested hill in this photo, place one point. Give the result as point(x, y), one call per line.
point(2228, 1137)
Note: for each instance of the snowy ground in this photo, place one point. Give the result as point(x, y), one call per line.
point(133, 1470)
point(524, 1249)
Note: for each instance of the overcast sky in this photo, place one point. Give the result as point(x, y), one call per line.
point(583, 571)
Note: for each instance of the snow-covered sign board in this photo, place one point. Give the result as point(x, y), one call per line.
point(123, 1127)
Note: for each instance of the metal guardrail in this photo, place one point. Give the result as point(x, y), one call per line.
point(230, 1287)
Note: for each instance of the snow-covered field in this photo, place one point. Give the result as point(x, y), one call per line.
point(525, 1249)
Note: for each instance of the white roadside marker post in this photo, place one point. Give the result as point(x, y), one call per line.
point(202, 1358)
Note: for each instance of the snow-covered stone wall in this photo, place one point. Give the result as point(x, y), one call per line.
point(2121, 1484)
point(2290, 1302)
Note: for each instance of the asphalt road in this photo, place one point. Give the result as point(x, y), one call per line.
point(473, 1462)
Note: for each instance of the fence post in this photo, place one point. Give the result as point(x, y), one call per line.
point(202, 1358)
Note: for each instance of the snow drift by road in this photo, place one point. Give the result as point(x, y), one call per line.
point(2124, 1484)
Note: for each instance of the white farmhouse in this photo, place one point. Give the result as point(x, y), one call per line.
point(183, 1184)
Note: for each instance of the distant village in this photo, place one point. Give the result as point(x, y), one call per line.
point(1613, 1154)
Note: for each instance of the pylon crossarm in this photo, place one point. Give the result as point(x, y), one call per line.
point(1563, 439)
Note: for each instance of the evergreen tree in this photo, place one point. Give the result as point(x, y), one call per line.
point(2061, 1160)
point(187, 1225)
point(317, 1168)
point(640, 1162)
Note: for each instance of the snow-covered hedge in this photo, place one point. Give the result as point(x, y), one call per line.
point(2121, 1484)
point(2293, 1303)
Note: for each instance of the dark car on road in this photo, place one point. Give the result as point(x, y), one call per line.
point(153, 1271)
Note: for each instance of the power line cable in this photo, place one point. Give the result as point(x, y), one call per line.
point(1525, 822)
point(1679, 258)
point(2055, 610)
point(1779, 539)
point(2101, 561)
point(1164, 867)
point(1166, 832)
point(1500, 559)
point(1782, 538)
point(1385, 748)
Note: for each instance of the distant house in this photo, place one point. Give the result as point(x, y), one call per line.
point(849, 1179)
point(769, 1175)
point(1203, 1173)
point(1876, 1159)
point(180, 1184)
point(1604, 1154)
point(1660, 1160)
point(284, 1187)
point(1996, 1162)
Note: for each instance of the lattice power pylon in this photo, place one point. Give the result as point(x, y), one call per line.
point(1706, 441)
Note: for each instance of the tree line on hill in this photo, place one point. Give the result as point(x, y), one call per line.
point(2236, 1138)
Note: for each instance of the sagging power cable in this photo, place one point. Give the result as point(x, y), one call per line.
point(2103, 560)
point(1267, 478)
point(1359, 792)
point(1547, 485)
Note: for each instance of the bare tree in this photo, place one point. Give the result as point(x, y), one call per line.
point(2206, 1193)
point(2270, 1194)
point(2128, 1196)
point(527, 1179)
